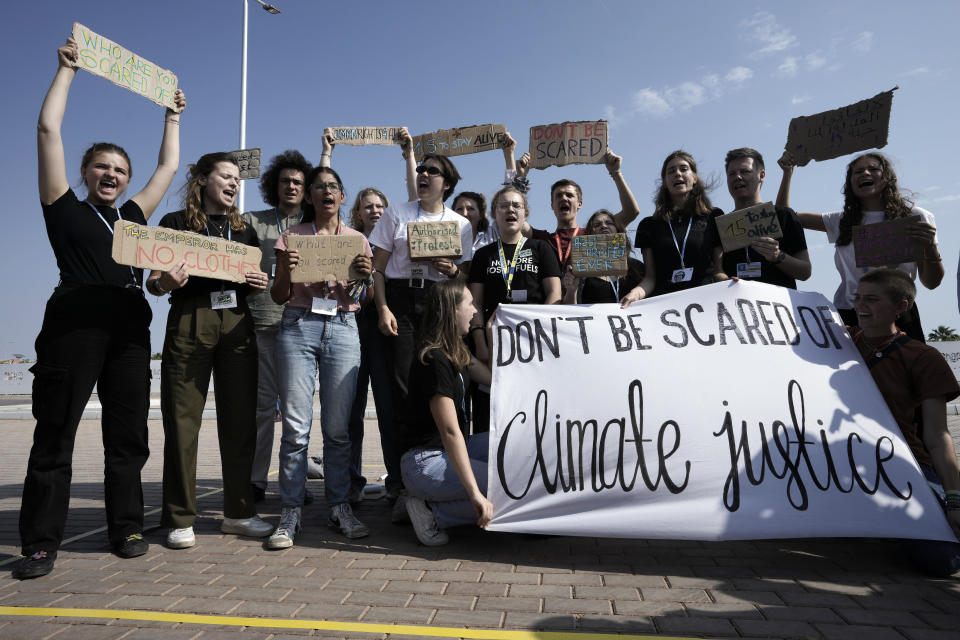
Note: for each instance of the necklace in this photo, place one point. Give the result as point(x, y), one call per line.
point(878, 348)
point(219, 227)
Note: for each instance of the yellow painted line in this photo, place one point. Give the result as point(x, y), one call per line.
point(325, 625)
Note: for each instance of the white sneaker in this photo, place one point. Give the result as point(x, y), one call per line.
point(181, 538)
point(341, 516)
point(254, 526)
point(424, 524)
point(288, 528)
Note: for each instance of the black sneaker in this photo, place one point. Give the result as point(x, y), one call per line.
point(132, 546)
point(259, 495)
point(34, 566)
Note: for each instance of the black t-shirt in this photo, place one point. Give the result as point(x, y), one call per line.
point(600, 290)
point(82, 241)
point(659, 236)
point(437, 377)
point(793, 240)
point(535, 262)
point(216, 227)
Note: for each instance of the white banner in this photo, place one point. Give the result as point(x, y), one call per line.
point(730, 411)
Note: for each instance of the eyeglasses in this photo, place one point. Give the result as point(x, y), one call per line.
point(327, 186)
point(429, 170)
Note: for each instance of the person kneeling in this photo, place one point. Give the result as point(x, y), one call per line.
point(445, 473)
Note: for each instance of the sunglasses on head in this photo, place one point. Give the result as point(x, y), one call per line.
point(429, 170)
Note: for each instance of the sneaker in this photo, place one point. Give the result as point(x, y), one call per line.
point(424, 524)
point(33, 566)
point(341, 516)
point(254, 526)
point(288, 528)
point(315, 468)
point(181, 538)
point(259, 495)
point(398, 514)
point(132, 546)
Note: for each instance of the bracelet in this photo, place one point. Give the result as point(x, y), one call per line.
point(783, 256)
point(521, 184)
point(324, 155)
point(472, 329)
point(936, 258)
point(156, 287)
point(952, 492)
point(172, 121)
point(613, 173)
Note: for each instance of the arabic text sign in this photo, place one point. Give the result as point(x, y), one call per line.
point(359, 136)
point(741, 227)
point(107, 59)
point(568, 143)
point(599, 255)
point(325, 258)
point(162, 249)
point(831, 134)
point(249, 162)
point(434, 240)
point(615, 423)
point(886, 243)
point(458, 142)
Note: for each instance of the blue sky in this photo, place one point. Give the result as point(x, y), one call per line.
point(706, 77)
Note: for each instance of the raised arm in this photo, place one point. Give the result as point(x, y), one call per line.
point(629, 209)
point(168, 161)
point(812, 221)
point(326, 147)
point(410, 162)
point(52, 171)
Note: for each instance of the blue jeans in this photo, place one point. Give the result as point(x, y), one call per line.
point(933, 557)
point(428, 474)
point(307, 343)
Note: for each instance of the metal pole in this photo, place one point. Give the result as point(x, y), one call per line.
point(243, 99)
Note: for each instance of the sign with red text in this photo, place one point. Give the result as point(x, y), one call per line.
point(831, 134)
point(565, 143)
point(360, 136)
point(325, 258)
point(105, 58)
point(886, 243)
point(736, 410)
point(741, 227)
point(248, 160)
point(434, 240)
point(162, 249)
point(599, 255)
point(460, 141)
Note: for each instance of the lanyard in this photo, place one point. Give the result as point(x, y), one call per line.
point(508, 277)
point(560, 254)
point(133, 274)
point(279, 230)
point(615, 285)
point(316, 232)
point(673, 235)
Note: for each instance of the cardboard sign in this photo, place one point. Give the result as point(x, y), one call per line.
point(325, 258)
point(360, 136)
point(741, 227)
point(654, 421)
point(434, 240)
point(599, 255)
point(107, 59)
point(458, 142)
point(566, 143)
point(162, 249)
point(849, 129)
point(886, 243)
point(249, 162)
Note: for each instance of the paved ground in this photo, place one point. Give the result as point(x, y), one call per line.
point(486, 585)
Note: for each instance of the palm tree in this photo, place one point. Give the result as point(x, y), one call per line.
point(943, 334)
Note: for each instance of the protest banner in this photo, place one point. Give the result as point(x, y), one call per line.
point(360, 136)
point(831, 134)
point(741, 227)
point(107, 59)
point(950, 351)
point(249, 162)
point(325, 258)
point(886, 243)
point(162, 249)
point(599, 255)
point(434, 240)
point(736, 410)
point(583, 142)
point(458, 142)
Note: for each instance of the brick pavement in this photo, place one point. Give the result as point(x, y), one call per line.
point(830, 588)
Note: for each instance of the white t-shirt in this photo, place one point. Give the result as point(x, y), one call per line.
point(390, 234)
point(846, 261)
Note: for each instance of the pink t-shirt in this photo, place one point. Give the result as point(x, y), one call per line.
point(304, 292)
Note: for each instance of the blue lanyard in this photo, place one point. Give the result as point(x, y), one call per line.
point(279, 230)
point(103, 218)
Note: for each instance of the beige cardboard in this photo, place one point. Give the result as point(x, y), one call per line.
point(360, 136)
point(162, 249)
point(458, 142)
point(249, 162)
point(741, 227)
point(599, 255)
point(434, 240)
point(856, 127)
point(325, 258)
point(107, 59)
point(886, 243)
point(583, 142)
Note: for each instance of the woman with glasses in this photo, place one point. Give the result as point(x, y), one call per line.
point(401, 284)
point(596, 290)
